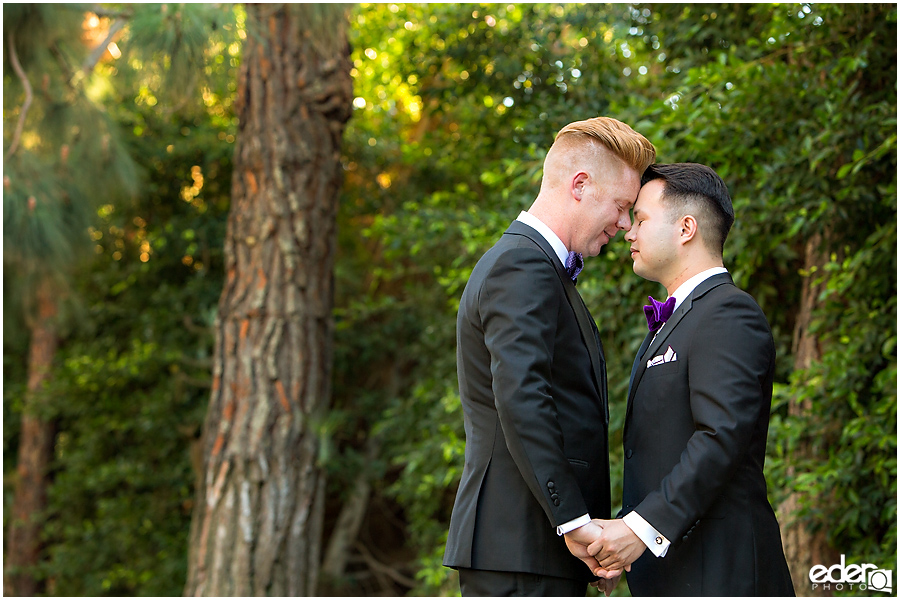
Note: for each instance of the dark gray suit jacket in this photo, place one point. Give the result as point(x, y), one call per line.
point(532, 381)
point(695, 444)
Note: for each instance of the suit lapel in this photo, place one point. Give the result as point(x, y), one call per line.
point(595, 349)
point(650, 345)
point(582, 316)
point(637, 361)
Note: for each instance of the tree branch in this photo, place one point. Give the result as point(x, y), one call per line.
point(379, 567)
point(193, 381)
point(351, 516)
point(194, 328)
point(97, 53)
point(102, 11)
point(29, 96)
point(196, 363)
point(63, 67)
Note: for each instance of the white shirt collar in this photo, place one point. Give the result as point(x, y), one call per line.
point(684, 290)
point(552, 239)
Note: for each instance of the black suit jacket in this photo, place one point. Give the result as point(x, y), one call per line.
point(532, 381)
point(695, 444)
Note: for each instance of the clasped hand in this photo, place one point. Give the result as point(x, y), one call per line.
point(607, 548)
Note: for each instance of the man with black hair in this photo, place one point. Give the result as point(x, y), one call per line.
point(698, 409)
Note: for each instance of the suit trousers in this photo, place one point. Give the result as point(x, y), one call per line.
point(476, 582)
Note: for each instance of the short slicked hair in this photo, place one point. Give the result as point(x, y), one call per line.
point(632, 148)
point(695, 187)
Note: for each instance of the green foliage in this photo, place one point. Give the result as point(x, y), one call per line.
point(848, 483)
point(173, 42)
point(130, 386)
point(63, 156)
point(121, 500)
point(132, 389)
point(816, 163)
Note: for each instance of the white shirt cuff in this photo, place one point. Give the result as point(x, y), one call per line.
point(573, 524)
point(654, 540)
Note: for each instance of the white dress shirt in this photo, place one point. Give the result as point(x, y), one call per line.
point(684, 290)
point(532, 221)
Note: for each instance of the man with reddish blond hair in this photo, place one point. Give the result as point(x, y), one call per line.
point(532, 377)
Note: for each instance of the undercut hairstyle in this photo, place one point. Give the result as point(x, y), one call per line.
point(629, 146)
point(695, 189)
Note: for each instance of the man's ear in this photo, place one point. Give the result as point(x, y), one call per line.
point(578, 184)
point(689, 228)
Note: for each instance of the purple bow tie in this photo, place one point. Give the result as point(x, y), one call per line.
point(658, 313)
point(574, 264)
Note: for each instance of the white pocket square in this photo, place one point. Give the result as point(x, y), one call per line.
point(669, 356)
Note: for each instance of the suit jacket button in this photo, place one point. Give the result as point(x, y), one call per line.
point(629, 453)
point(550, 485)
point(556, 502)
point(658, 541)
point(684, 539)
point(554, 496)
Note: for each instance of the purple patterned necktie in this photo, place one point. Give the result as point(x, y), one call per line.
point(574, 264)
point(658, 313)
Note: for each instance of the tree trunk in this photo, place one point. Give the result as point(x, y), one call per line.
point(803, 548)
point(35, 454)
point(258, 517)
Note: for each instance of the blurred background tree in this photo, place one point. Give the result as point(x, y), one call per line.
point(454, 107)
point(71, 193)
point(63, 157)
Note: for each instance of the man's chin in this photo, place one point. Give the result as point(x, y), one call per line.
point(599, 248)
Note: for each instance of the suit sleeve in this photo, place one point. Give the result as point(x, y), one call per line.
point(730, 359)
point(520, 304)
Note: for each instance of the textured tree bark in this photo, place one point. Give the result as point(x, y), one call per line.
point(257, 521)
point(35, 453)
point(804, 548)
